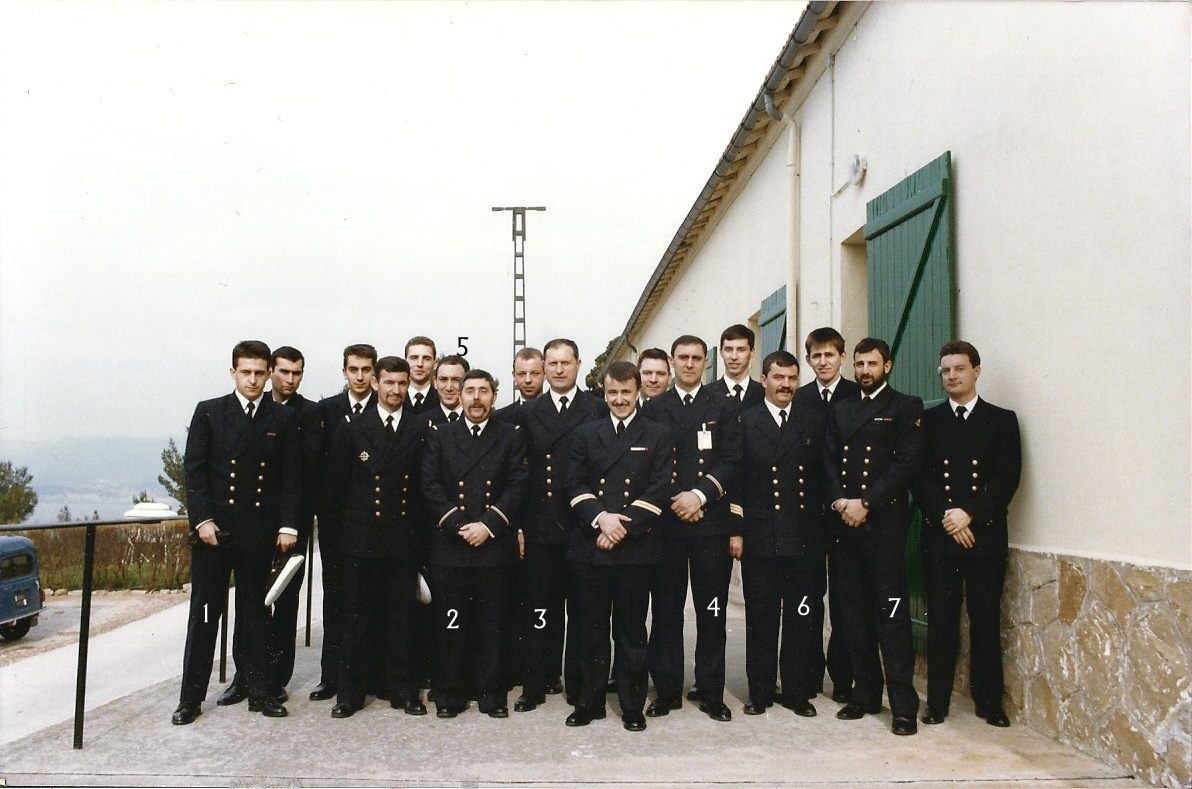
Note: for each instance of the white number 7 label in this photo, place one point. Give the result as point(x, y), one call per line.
point(895, 601)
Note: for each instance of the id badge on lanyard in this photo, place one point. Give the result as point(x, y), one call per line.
point(703, 437)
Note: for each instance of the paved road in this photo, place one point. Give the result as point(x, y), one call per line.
point(134, 686)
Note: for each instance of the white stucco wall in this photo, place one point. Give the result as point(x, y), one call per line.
point(1069, 127)
point(745, 260)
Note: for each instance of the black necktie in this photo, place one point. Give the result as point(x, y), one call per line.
point(960, 412)
point(737, 391)
point(249, 409)
point(452, 416)
point(476, 431)
point(826, 394)
point(417, 399)
point(357, 408)
point(866, 399)
point(389, 422)
point(687, 398)
point(620, 427)
point(782, 417)
point(563, 404)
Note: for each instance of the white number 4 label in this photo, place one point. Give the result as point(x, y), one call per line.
point(714, 606)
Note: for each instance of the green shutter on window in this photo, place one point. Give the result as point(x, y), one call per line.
point(710, 372)
point(772, 322)
point(908, 234)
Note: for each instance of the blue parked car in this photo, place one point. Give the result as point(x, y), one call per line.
point(21, 595)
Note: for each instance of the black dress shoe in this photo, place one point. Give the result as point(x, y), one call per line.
point(342, 711)
point(554, 687)
point(997, 717)
point(693, 694)
point(323, 691)
point(526, 704)
point(842, 695)
point(853, 711)
point(584, 717)
point(410, 707)
point(447, 712)
point(233, 695)
point(633, 721)
point(186, 713)
point(931, 717)
point(495, 711)
point(268, 707)
point(660, 707)
point(717, 711)
point(801, 707)
point(904, 725)
point(755, 709)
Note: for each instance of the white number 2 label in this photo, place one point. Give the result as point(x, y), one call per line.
point(452, 615)
point(714, 606)
point(541, 623)
point(895, 601)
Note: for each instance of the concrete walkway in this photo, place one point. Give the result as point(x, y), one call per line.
point(134, 687)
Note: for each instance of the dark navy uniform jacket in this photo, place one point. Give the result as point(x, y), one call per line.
point(973, 464)
point(754, 392)
point(781, 492)
point(245, 474)
point(466, 479)
point(374, 475)
point(627, 474)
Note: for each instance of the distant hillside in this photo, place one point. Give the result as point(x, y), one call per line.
point(89, 474)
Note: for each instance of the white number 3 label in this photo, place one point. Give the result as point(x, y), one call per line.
point(541, 623)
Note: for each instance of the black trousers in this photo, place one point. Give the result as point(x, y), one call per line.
point(548, 620)
point(378, 599)
point(280, 635)
point(979, 579)
point(707, 561)
point(840, 666)
point(210, 569)
point(622, 592)
point(782, 592)
point(874, 595)
point(470, 604)
point(332, 615)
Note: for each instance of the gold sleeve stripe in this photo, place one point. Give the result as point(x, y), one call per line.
point(715, 482)
point(645, 505)
point(449, 513)
point(735, 509)
point(503, 517)
point(582, 497)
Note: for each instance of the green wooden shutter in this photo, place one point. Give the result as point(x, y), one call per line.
point(710, 372)
point(908, 235)
point(772, 322)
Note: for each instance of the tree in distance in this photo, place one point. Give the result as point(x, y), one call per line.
point(171, 477)
point(17, 496)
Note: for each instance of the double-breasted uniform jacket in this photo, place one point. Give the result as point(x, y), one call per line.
point(245, 474)
point(334, 409)
point(873, 452)
point(781, 494)
point(374, 485)
point(508, 413)
point(429, 401)
point(310, 426)
point(627, 474)
point(713, 470)
point(545, 516)
point(467, 478)
point(811, 405)
point(754, 391)
point(973, 464)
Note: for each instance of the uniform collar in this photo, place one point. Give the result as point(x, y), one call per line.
point(873, 395)
point(968, 407)
point(627, 420)
point(381, 412)
point(775, 409)
point(830, 387)
point(555, 396)
point(244, 401)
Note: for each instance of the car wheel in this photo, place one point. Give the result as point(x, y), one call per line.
point(14, 630)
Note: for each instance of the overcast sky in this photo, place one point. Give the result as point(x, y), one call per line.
point(175, 177)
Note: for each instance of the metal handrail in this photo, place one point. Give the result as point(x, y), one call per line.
point(85, 611)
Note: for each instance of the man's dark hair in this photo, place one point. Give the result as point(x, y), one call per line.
point(559, 342)
point(870, 344)
point(689, 339)
point(780, 358)
point(825, 335)
point(419, 340)
point(451, 358)
point(363, 350)
point(392, 364)
point(483, 374)
point(289, 353)
point(738, 331)
point(526, 354)
point(960, 346)
point(653, 353)
point(251, 349)
point(621, 372)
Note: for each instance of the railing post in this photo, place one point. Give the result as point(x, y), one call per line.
point(223, 639)
point(84, 633)
point(310, 578)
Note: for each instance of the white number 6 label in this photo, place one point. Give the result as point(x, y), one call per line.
point(804, 609)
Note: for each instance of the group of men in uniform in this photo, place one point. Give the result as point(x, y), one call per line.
point(543, 528)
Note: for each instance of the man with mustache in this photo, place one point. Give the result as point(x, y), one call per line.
point(873, 451)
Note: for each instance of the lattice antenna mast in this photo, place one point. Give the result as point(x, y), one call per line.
point(518, 214)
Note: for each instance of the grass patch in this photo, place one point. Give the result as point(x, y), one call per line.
point(148, 556)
